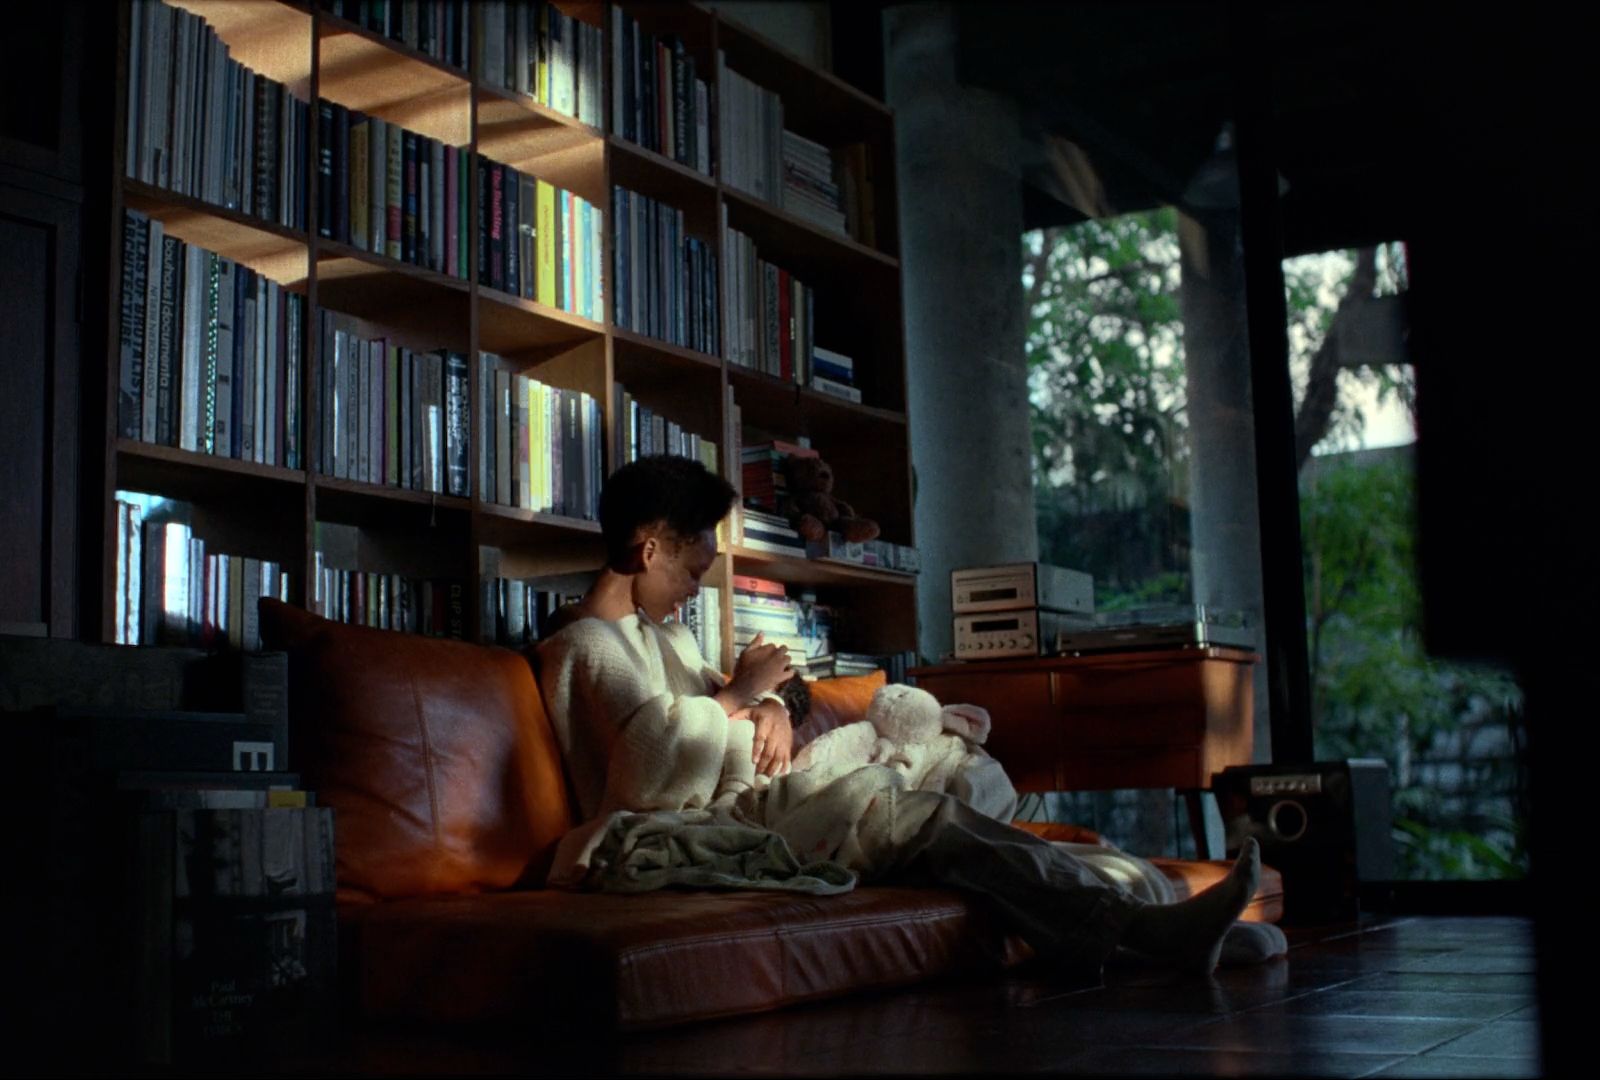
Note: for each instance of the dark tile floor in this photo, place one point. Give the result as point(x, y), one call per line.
point(1392, 997)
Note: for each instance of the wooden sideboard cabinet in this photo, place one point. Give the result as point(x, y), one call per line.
point(1149, 719)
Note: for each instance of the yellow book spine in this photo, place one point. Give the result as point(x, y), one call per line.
point(546, 239)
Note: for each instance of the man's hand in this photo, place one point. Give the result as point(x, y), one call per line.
point(774, 737)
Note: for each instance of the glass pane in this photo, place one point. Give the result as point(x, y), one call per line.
point(1451, 733)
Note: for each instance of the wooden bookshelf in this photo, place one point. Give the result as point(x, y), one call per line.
point(318, 55)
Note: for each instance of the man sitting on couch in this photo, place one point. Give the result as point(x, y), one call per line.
point(644, 726)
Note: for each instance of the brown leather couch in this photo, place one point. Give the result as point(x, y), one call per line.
point(450, 798)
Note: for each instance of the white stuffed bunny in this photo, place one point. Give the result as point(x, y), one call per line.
point(906, 729)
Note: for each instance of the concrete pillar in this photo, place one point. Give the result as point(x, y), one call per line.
point(960, 196)
point(1224, 512)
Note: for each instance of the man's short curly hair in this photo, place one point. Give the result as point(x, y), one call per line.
point(677, 492)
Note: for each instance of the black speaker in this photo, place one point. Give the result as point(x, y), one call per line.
point(1325, 826)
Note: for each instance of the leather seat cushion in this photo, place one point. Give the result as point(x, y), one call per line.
point(655, 959)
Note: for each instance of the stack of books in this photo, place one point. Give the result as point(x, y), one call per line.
point(202, 124)
point(772, 533)
point(392, 416)
point(762, 482)
point(538, 241)
point(770, 312)
point(390, 601)
point(764, 607)
point(209, 351)
point(657, 99)
point(809, 190)
point(542, 445)
point(171, 591)
point(532, 47)
point(665, 279)
point(834, 373)
point(641, 432)
point(879, 553)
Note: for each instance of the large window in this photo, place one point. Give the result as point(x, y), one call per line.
point(1451, 733)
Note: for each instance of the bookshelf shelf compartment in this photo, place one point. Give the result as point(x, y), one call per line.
point(387, 291)
point(354, 502)
point(184, 474)
point(512, 324)
point(272, 250)
point(657, 175)
point(800, 246)
point(367, 72)
point(794, 570)
point(517, 131)
point(272, 37)
point(575, 541)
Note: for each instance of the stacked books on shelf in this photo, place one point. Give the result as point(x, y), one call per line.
point(390, 191)
point(171, 591)
point(641, 432)
point(843, 664)
point(801, 624)
point(538, 241)
point(436, 608)
point(542, 444)
point(438, 28)
point(209, 351)
point(769, 312)
point(834, 373)
point(769, 532)
point(877, 553)
point(532, 47)
point(390, 415)
point(517, 613)
point(762, 480)
point(665, 280)
point(657, 100)
point(202, 124)
point(809, 189)
point(702, 614)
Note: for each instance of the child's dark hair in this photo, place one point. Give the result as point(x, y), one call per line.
point(678, 492)
point(797, 699)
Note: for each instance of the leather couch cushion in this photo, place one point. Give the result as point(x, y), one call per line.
point(654, 959)
point(436, 756)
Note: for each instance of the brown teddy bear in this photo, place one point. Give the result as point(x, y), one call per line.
point(811, 507)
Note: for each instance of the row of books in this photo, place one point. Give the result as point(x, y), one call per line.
point(532, 47)
point(750, 134)
point(640, 432)
point(542, 444)
point(810, 190)
point(517, 613)
point(209, 351)
point(392, 416)
point(702, 614)
point(846, 664)
point(538, 241)
point(171, 591)
point(202, 124)
point(391, 191)
point(666, 280)
point(439, 28)
point(411, 605)
point(760, 530)
point(770, 312)
point(657, 99)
